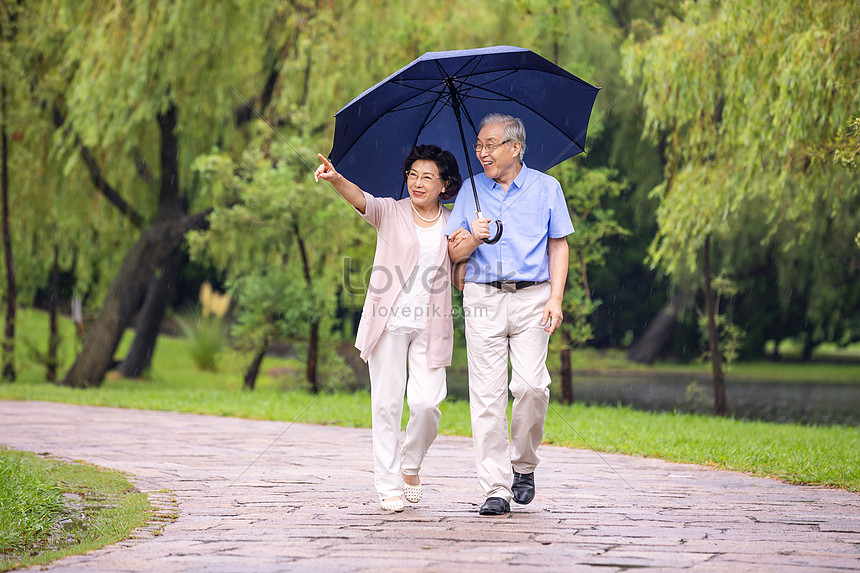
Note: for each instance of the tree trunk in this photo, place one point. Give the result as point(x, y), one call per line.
point(566, 372)
point(648, 346)
point(53, 336)
point(713, 337)
point(11, 291)
point(775, 355)
point(808, 343)
point(126, 293)
point(169, 197)
point(250, 381)
point(158, 295)
point(313, 350)
point(169, 209)
point(313, 341)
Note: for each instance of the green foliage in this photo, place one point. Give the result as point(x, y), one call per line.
point(31, 505)
point(586, 191)
point(577, 308)
point(206, 335)
point(50, 509)
point(731, 338)
point(47, 208)
point(844, 148)
point(745, 99)
point(276, 236)
point(742, 118)
point(106, 71)
point(127, 63)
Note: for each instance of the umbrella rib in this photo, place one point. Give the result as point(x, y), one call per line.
point(440, 94)
point(427, 119)
point(393, 108)
point(477, 60)
point(528, 107)
point(471, 86)
point(482, 86)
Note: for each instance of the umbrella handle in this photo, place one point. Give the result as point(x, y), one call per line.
point(492, 240)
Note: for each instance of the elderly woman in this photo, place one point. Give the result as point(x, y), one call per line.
point(406, 330)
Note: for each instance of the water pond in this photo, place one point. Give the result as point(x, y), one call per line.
point(800, 402)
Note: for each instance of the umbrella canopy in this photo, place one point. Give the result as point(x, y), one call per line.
point(441, 93)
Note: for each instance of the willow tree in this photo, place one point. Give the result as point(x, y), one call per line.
point(744, 98)
point(8, 31)
point(135, 93)
point(30, 178)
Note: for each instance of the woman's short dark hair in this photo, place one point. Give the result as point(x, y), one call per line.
point(445, 161)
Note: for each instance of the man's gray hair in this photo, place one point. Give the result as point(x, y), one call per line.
point(514, 128)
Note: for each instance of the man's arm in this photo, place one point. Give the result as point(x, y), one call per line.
point(559, 258)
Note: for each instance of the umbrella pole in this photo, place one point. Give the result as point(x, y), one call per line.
point(455, 104)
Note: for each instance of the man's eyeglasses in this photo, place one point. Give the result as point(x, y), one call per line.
point(491, 147)
point(427, 179)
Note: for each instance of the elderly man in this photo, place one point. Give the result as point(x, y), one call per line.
point(512, 304)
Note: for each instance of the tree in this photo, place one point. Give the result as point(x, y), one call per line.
point(744, 98)
point(277, 239)
point(8, 19)
point(586, 190)
point(123, 83)
point(585, 38)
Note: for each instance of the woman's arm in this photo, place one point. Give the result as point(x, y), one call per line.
point(462, 243)
point(347, 189)
point(458, 275)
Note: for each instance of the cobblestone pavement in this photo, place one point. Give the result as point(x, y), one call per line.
point(270, 496)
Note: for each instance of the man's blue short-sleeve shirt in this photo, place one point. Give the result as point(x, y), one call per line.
point(532, 210)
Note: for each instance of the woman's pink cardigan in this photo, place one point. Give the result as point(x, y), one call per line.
point(396, 255)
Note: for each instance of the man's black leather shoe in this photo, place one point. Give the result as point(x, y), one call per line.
point(495, 506)
point(523, 488)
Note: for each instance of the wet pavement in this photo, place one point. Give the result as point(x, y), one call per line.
point(275, 496)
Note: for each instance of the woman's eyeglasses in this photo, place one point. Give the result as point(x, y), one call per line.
point(427, 179)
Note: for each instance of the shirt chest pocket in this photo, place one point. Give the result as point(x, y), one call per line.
point(529, 216)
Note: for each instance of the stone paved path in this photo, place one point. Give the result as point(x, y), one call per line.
point(269, 496)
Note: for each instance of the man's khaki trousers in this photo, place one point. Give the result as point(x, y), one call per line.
point(502, 325)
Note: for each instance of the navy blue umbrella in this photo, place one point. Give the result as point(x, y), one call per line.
point(440, 99)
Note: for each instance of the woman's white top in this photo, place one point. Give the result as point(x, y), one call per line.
point(409, 313)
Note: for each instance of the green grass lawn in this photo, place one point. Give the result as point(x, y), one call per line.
point(51, 508)
point(827, 456)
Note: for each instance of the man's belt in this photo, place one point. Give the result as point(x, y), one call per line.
point(513, 286)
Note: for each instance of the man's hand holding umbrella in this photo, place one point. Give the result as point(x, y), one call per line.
point(480, 231)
